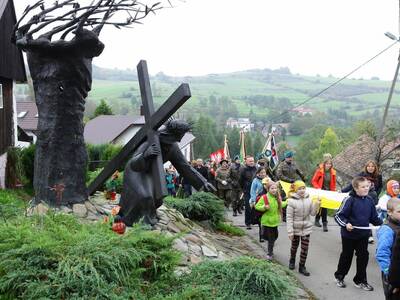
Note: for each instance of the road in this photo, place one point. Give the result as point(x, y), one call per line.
point(323, 256)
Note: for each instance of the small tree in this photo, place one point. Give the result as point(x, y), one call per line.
point(102, 109)
point(328, 144)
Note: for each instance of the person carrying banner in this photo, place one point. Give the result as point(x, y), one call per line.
point(356, 210)
point(288, 171)
point(235, 192)
point(324, 179)
point(270, 205)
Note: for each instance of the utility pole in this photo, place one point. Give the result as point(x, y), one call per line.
point(382, 126)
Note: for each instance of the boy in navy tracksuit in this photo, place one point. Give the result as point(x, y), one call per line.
point(356, 210)
point(386, 243)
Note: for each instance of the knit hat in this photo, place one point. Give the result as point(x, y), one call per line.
point(298, 184)
point(265, 180)
point(390, 185)
point(236, 157)
point(288, 154)
point(327, 157)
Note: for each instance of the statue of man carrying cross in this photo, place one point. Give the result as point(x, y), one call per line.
point(144, 178)
point(138, 197)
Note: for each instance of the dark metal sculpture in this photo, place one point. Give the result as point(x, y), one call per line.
point(61, 70)
point(139, 197)
point(144, 177)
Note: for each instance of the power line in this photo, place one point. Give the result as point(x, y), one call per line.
point(336, 82)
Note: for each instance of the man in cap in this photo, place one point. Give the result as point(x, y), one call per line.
point(224, 182)
point(288, 171)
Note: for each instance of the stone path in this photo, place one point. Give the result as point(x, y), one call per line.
point(323, 256)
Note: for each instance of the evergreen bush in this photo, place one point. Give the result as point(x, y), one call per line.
point(200, 206)
point(56, 257)
point(28, 162)
point(240, 279)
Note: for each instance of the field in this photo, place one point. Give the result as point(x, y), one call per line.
point(356, 97)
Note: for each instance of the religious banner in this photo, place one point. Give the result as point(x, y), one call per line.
point(329, 199)
point(270, 151)
point(226, 148)
point(242, 146)
point(217, 155)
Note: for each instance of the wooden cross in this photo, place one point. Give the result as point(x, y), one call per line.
point(149, 131)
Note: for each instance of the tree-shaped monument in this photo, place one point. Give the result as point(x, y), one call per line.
point(60, 41)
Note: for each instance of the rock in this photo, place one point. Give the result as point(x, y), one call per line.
point(208, 252)
point(163, 221)
point(92, 217)
point(90, 207)
point(40, 209)
point(79, 210)
point(65, 210)
point(181, 246)
point(194, 259)
point(172, 227)
point(195, 249)
point(193, 239)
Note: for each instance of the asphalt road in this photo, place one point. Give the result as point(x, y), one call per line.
point(323, 256)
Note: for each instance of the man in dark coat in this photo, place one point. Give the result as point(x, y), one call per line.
point(137, 198)
point(201, 168)
point(247, 173)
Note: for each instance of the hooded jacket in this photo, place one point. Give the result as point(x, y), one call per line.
point(358, 211)
point(298, 212)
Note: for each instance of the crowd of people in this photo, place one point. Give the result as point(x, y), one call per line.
point(255, 189)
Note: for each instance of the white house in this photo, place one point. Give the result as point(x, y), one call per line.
point(241, 123)
point(119, 130)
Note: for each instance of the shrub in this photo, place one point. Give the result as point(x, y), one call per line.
point(11, 204)
point(56, 257)
point(199, 207)
point(229, 229)
point(14, 171)
point(28, 162)
point(242, 278)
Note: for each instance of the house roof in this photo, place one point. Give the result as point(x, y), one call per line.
point(106, 128)
point(27, 115)
point(352, 159)
point(11, 60)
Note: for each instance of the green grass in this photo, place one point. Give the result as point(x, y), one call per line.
point(254, 82)
point(229, 229)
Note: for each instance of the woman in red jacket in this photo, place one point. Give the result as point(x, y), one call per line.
point(324, 178)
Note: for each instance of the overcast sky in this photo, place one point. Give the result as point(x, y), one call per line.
point(311, 37)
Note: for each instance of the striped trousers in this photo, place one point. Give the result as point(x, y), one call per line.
point(305, 241)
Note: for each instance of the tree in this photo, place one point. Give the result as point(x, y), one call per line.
point(102, 109)
point(258, 142)
point(205, 131)
point(328, 144)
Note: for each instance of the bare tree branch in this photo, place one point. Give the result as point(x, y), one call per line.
point(77, 18)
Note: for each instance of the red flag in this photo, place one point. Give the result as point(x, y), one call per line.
point(217, 155)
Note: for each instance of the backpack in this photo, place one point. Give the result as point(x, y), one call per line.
point(258, 214)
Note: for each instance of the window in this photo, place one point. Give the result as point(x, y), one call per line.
point(22, 114)
point(396, 165)
point(1, 96)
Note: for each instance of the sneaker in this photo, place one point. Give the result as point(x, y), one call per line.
point(317, 224)
point(340, 283)
point(371, 240)
point(262, 240)
point(270, 257)
point(364, 285)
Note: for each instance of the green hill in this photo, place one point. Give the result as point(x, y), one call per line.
point(238, 94)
